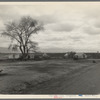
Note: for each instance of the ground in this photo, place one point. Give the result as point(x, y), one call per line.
point(56, 76)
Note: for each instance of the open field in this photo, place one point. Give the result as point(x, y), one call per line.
point(18, 77)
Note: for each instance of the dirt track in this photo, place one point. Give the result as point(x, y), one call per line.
point(50, 77)
point(86, 81)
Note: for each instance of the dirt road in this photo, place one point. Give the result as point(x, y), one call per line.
point(83, 82)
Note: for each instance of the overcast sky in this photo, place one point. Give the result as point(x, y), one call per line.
point(73, 26)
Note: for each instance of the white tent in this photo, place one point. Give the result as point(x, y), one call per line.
point(66, 56)
point(80, 55)
point(45, 55)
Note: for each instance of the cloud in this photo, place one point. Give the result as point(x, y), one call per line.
point(61, 27)
point(4, 42)
point(92, 30)
point(55, 39)
point(76, 38)
point(68, 26)
point(47, 19)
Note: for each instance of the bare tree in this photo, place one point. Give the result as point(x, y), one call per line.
point(20, 33)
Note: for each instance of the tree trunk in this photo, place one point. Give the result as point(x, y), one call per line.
point(24, 52)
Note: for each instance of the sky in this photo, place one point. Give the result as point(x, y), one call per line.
point(68, 26)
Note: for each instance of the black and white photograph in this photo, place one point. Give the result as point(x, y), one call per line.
point(50, 48)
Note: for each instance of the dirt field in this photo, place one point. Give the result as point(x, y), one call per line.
point(18, 77)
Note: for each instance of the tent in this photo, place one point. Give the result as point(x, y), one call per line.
point(66, 55)
point(45, 56)
point(80, 56)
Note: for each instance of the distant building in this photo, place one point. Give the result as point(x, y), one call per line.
point(69, 55)
point(80, 56)
point(13, 56)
